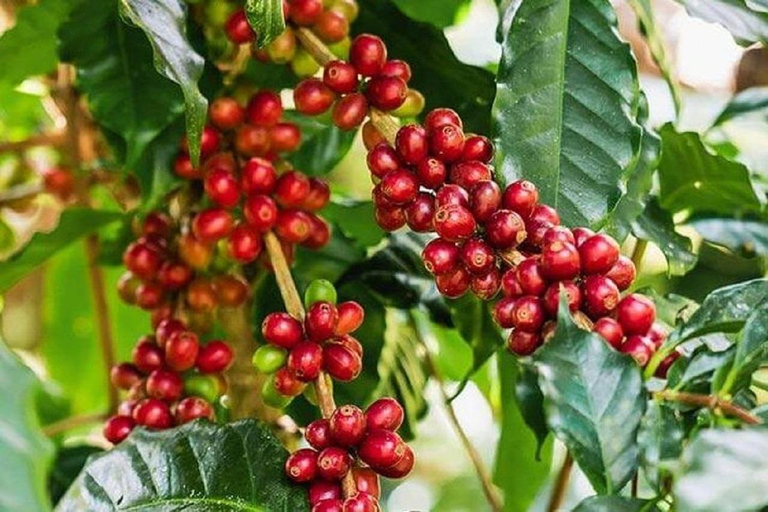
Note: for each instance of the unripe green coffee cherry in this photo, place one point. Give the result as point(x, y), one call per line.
point(217, 13)
point(268, 359)
point(282, 49)
point(271, 397)
point(320, 290)
point(204, 386)
point(412, 106)
point(348, 8)
point(341, 49)
point(303, 64)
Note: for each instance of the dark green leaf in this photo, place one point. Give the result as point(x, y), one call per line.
point(270, 75)
point(745, 23)
point(660, 439)
point(355, 219)
point(198, 466)
point(698, 370)
point(566, 104)
point(322, 145)
point(518, 471)
point(26, 453)
point(154, 170)
point(746, 102)
point(530, 401)
point(330, 262)
point(694, 179)
point(448, 350)
point(68, 464)
point(163, 21)
point(115, 71)
point(440, 13)
point(266, 18)
point(744, 237)
point(615, 504)
point(73, 225)
point(7, 237)
point(472, 317)
point(437, 73)
point(657, 226)
point(21, 114)
point(594, 400)
point(751, 349)
point(724, 470)
point(672, 309)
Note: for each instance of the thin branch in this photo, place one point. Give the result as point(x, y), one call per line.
point(43, 139)
point(386, 124)
point(62, 426)
point(710, 401)
point(638, 252)
point(24, 191)
point(561, 484)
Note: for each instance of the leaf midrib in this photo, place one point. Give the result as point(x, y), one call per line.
point(561, 104)
point(234, 505)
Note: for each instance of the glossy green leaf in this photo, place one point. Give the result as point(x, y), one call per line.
point(671, 309)
point(437, 73)
point(724, 470)
point(693, 178)
point(744, 237)
point(163, 22)
point(660, 439)
point(746, 102)
point(270, 75)
point(615, 504)
point(745, 23)
point(198, 466)
point(26, 453)
point(565, 109)
point(698, 370)
point(440, 13)
point(656, 225)
point(751, 349)
point(593, 398)
point(530, 401)
point(322, 145)
point(21, 114)
point(518, 470)
point(355, 219)
point(74, 224)
point(266, 18)
point(472, 317)
point(68, 464)
point(114, 69)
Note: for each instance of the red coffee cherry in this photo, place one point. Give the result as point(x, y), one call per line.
point(349, 343)
point(559, 261)
point(59, 182)
point(183, 168)
point(580, 235)
point(666, 364)
point(244, 244)
point(530, 278)
point(164, 385)
point(237, 28)
point(523, 343)
point(385, 413)
point(174, 275)
point(402, 468)
point(503, 312)
point(221, 160)
point(318, 197)
point(440, 256)
point(312, 97)
point(117, 428)
point(477, 147)
point(455, 223)
point(340, 77)
point(319, 233)
point(536, 232)
point(201, 296)
point(264, 108)
point(340, 362)
point(368, 54)
point(381, 449)
point(287, 384)
point(153, 413)
point(545, 213)
point(321, 321)
point(258, 176)
point(636, 314)
point(318, 434)
point(332, 505)
point(528, 314)
point(367, 481)
point(521, 197)
point(431, 173)
point(321, 490)
point(226, 113)
point(599, 253)
point(282, 330)
point(468, 174)
point(397, 68)
point(292, 226)
point(446, 142)
point(147, 356)
point(350, 111)
point(510, 286)
point(301, 465)
point(124, 375)
point(558, 234)
point(639, 347)
point(149, 296)
point(419, 214)
point(451, 195)
point(441, 117)
point(484, 200)
point(212, 224)
point(253, 140)
point(260, 212)
point(610, 330)
point(292, 189)
point(411, 144)
point(331, 26)
point(552, 296)
point(126, 287)
point(195, 253)
point(347, 424)
point(455, 283)
point(390, 218)
point(209, 142)
point(181, 350)
point(382, 160)
point(350, 317)
point(361, 502)
point(305, 361)
point(601, 295)
point(214, 357)
point(386, 92)
point(157, 223)
point(505, 229)
point(142, 260)
point(658, 335)
point(230, 291)
point(477, 256)
point(285, 137)
point(622, 273)
point(400, 187)
point(305, 13)
point(163, 312)
point(192, 408)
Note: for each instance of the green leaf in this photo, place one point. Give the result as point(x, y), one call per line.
point(656, 225)
point(266, 18)
point(594, 400)
point(518, 471)
point(751, 349)
point(698, 370)
point(269, 75)
point(322, 147)
point(472, 317)
point(74, 224)
point(745, 237)
point(615, 504)
point(671, 309)
point(198, 466)
point(29, 48)
point(355, 219)
point(530, 401)
point(746, 102)
point(724, 470)
point(26, 453)
point(68, 464)
point(660, 440)
point(744, 21)
point(21, 114)
point(565, 109)
point(437, 73)
point(114, 65)
point(7, 237)
point(440, 13)
point(693, 178)
point(163, 22)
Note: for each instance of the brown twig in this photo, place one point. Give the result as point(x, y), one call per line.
point(62, 426)
point(710, 401)
point(24, 191)
point(43, 139)
point(561, 484)
point(295, 308)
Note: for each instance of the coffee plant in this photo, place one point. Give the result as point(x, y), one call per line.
point(248, 248)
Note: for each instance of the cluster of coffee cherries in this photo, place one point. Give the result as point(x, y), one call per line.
point(350, 434)
point(367, 80)
point(297, 352)
point(328, 20)
point(172, 379)
point(162, 272)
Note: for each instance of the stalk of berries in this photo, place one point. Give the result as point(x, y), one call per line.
point(172, 379)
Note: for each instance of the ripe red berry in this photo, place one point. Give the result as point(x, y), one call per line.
point(451, 195)
point(183, 168)
point(124, 376)
point(552, 296)
point(181, 350)
point(440, 256)
point(455, 283)
point(503, 312)
point(510, 286)
point(244, 244)
point(522, 197)
point(431, 173)
point(400, 187)
point(226, 113)
point(258, 176)
point(305, 12)
point(253, 140)
point(153, 413)
point(237, 28)
point(529, 276)
point(117, 428)
point(340, 77)
point(367, 481)
point(446, 142)
point(580, 235)
point(201, 296)
point(599, 253)
point(559, 261)
point(287, 384)
point(484, 200)
point(149, 295)
point(301, 465)
point(440, 117)
point(390, 218)
point(411, 144)
point(381, 449)
point(292, 189)
point(212, 224)
point(350, 111)
point(158, 224)
point(318, 197)
point(385, 413)
point(174, 275)
point(147, 356)
point(305, 361)
point(536, 232)
point(331, 26)
point(341, 362)
point(477, 147)
point(397, 68)
point(601, 295)
point(477, 256)
point(368, 54)
point(386, 92)
point(545, 213)
point(319, 233)
point(361, 502)
point(164, 385)
point(658, 335)
point(505, 229)
point(320, 490)
point(528, 314)
point(260, 212)
point(622, 273)
point(318, 434)
point(332, 505)
point(639, 347)
point(350, 317)
point(230, 291)
point(59, 182)
point(636, 314)
point(292, 226)
point(347, 424)
point(558, 234)
point(470, 173)
point(214, 357)
point(610, 330)
point(192, 408)
point(382, 160)
point(419, 214)
point(454, 223)
point(312, 97)
point(282, 330)
point(142, 260)
point(264, 108)
point(285, 137)
point(523, 343)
